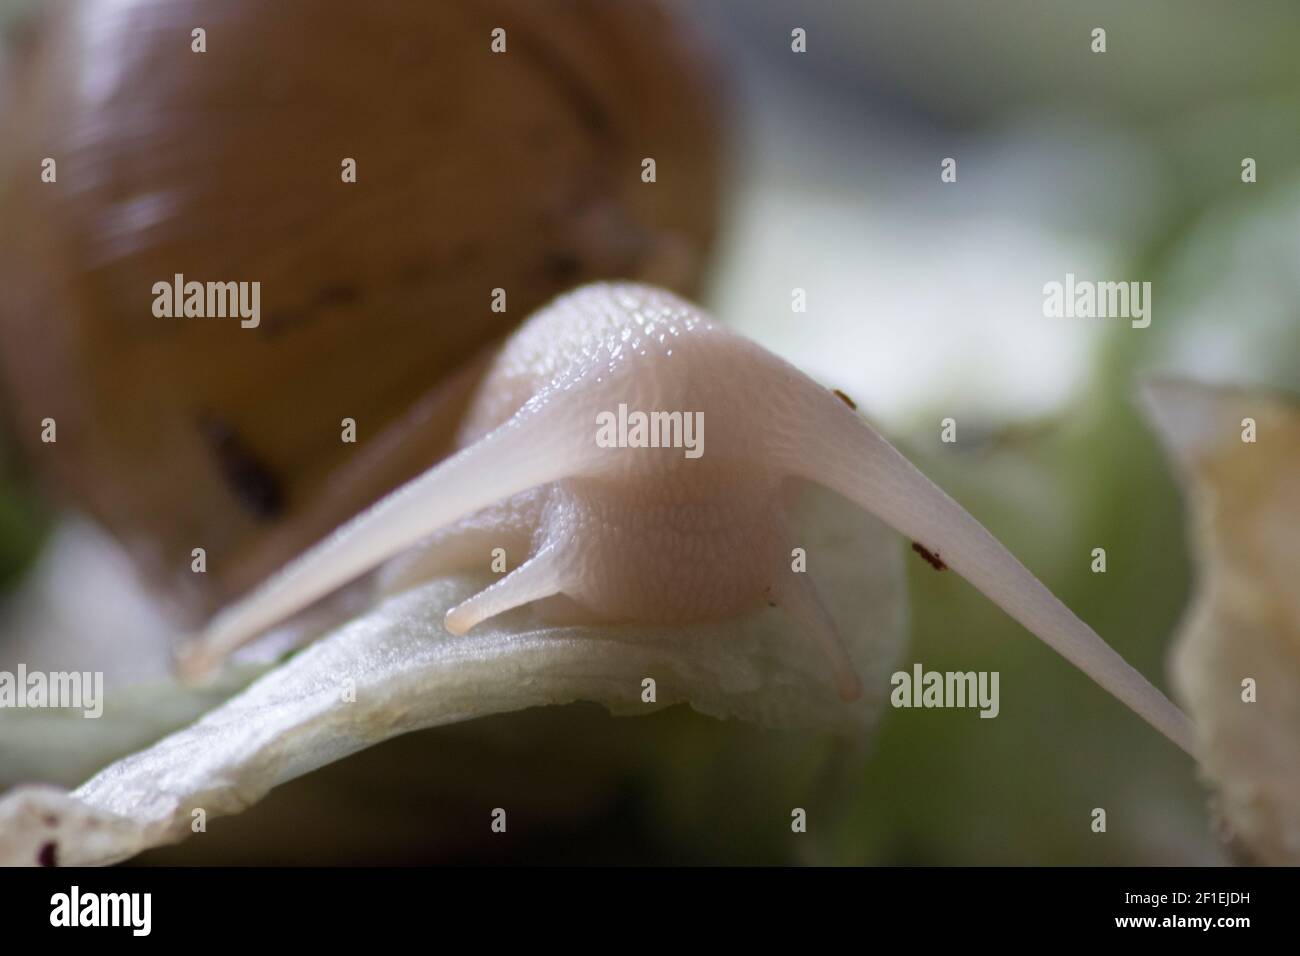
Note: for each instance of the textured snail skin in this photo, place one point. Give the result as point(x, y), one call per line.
point(648, 534)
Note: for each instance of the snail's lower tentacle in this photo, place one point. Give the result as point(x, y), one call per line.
point(539, 577)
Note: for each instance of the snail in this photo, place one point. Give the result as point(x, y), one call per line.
point(642, 530)
point(490, 171)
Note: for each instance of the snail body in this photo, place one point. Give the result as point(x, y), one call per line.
point(649, 534)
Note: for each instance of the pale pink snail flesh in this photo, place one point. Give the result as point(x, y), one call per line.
point(652, 535)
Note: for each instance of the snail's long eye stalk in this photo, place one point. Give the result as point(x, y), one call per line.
point(845, 454)
point(538, 445)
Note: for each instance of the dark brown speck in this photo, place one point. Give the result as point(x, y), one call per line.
point(932, 557)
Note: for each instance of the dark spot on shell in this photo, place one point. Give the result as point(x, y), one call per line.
point(338, 294)
point(845, 399)
point(278, 321)
point(249, 478)
point(48, 855)
point(563, 266)
point(50, 820)
point(931, 557)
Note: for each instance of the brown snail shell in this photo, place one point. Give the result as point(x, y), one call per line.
point(475, 170)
